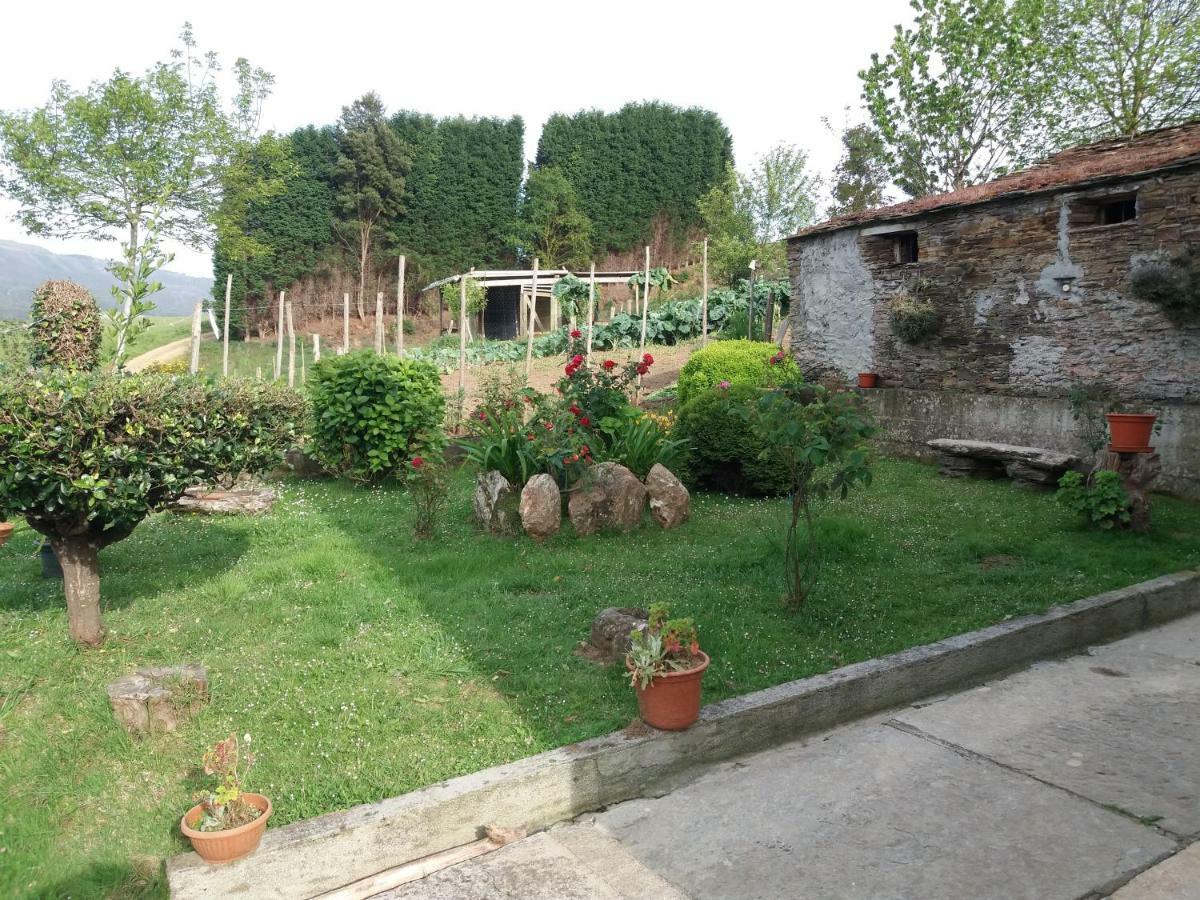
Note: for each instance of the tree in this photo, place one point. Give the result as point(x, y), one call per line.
point(964, 94)
point(749, 216)
point(143, 154)
point(861, 176)
point(368, 179)
point(1129, 65)
point(550, 224)
point(88, 456)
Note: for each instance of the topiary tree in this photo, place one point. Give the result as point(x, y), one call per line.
point(751, 363)
point(372, 414)
point(89, 456)
point(64, 330)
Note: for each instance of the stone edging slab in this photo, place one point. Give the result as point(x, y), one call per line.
point(307, 858)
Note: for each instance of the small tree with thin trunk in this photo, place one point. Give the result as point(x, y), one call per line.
point(88, 456)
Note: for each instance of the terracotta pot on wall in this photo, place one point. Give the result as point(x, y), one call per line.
point(672, 701)
point(233, 843)
point(867, 379)
point(1130, 432)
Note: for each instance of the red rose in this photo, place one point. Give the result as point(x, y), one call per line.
point(549, 426)
point(575, 409)
point(530, 436)
point(576, 360)
point(584, 450)
point(585, 421)
point(481, 415)
point(570, 370)
point(609, 364)
point(642, 368)
point(576, 333)
point(417, 462)
point(648, 359)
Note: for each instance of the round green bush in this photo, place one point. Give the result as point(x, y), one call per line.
point(738, 362)
point(723, 452)
point(372, 414)
point(64, 330)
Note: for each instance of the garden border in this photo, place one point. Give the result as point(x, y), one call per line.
point(539, 791)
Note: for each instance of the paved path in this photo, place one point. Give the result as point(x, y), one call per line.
point(1075, 779)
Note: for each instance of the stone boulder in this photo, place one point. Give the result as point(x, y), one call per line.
point(609, 640)
point(496, 503)
point(670, 504)
point(243, 502)
point(158, 698)
point(608, 497)
point(541, 507)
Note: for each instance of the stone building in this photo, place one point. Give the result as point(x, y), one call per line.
point(1028, 280)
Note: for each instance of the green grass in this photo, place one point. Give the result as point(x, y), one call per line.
point(365, 664)
point(162, 330)
point(247, 357)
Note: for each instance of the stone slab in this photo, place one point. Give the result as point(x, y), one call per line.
point(1036, 457)
point(1119, 725)
point(1177, 878)
point(872, 812)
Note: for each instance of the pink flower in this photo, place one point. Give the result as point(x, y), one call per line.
point(724, 385)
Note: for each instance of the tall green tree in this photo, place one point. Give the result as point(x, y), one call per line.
point(368, 178)
point(964, 93)
point(861, 176)
point(550, 224)
point(1128, 65)
point(140, 155)
point(747, 217)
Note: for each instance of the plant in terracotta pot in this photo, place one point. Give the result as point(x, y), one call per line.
point(1129, 432)
point(867, 379)
point(6, 528)
point(666, 666)
point(228, 822)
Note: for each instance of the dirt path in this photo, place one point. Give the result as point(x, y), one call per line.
point(164, 354)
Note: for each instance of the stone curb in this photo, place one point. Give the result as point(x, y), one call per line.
point(307, 858)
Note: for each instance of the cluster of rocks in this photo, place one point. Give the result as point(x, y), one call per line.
point(609, 498)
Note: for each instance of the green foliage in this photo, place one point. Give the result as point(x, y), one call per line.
point(914, 318)
point(723, 453)
point(664, 645)
point(476, 298)
point(637, 441)
point(748, 363)
point(640, 163)
point(372, 414)
point(1173, 285)
point(1099, 499)
point(427, 483)
point(64, 330)
point(550, 224)
point(14, 347)
point(861, 176)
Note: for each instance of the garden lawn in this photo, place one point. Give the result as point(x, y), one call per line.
point(365, 665)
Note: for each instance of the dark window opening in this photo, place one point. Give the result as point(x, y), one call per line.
point(906, 247)
point(1117, 211)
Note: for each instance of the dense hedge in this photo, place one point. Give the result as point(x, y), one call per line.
point(372, 414)
point(738, 362)
point(722, 450)
point(64, 327)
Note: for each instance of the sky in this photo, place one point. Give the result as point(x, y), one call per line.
point(771, 70)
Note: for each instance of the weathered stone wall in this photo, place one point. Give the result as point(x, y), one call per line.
point(1009, 330)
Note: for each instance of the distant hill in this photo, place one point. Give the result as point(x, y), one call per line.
point(24, 266)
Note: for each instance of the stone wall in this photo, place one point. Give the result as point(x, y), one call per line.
point(1033, 298)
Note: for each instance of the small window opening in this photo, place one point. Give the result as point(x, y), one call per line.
point(1115, 212)
point(906, 247)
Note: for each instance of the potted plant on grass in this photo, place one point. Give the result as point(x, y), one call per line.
point(6, 528)
point(228, 822)
point(666, 666)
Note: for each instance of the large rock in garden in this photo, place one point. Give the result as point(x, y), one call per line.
point(249, 501)
point(670, 504)
point(608, 497)
point(158, 698)
point(496, 503)
point(609, 640)
point(541, 507)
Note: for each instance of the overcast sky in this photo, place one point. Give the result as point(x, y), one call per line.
point(771, 70)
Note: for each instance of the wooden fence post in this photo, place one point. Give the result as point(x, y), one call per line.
point(197, 325)
point(346, 322)
point(316, 349)
point(291, 348)
point(591, 318)
point(704, 300)
point(225, 338)
point(645, 304)
point(400, 310)
point(462, 333)
point(529, 330)
point(379, 323)
point(279, 339)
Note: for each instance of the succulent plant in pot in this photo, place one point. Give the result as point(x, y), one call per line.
point(228, 822)
point(666, 666)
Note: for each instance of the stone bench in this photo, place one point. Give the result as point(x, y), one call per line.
point(985, 459)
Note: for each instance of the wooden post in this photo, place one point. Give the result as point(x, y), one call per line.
point(291, 348)
point(400, 310)
point(279, 338)
point(197, 325)
point(316, 349)
point(303, 368)
point(258, 374)
point(704, 300)
point(346, 322)
point(225, 338)
point(379, 323)
point(769, 321)
point(529, 330)
point(591, 318)
point(645, 303)
point(462, 333)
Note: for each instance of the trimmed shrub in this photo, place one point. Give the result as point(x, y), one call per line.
point(747, 363)
point(65, 327)
point(372, 414)
point(724, 453)
point(1173, 285)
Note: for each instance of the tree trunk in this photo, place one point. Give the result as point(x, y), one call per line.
point(80, 561)
point(364, 253)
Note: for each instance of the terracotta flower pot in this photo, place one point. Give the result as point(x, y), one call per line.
point(234, 843)
point(6, 530)
point(867, 379)
point(672, 701)
point(1130, 432)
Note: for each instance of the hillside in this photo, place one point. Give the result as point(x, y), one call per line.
point(24, 266)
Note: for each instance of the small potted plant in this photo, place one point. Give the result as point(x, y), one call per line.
point(6, 528)
point(666, 666)
point(1130, 432)
point(228, 822)
point(867, 379)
